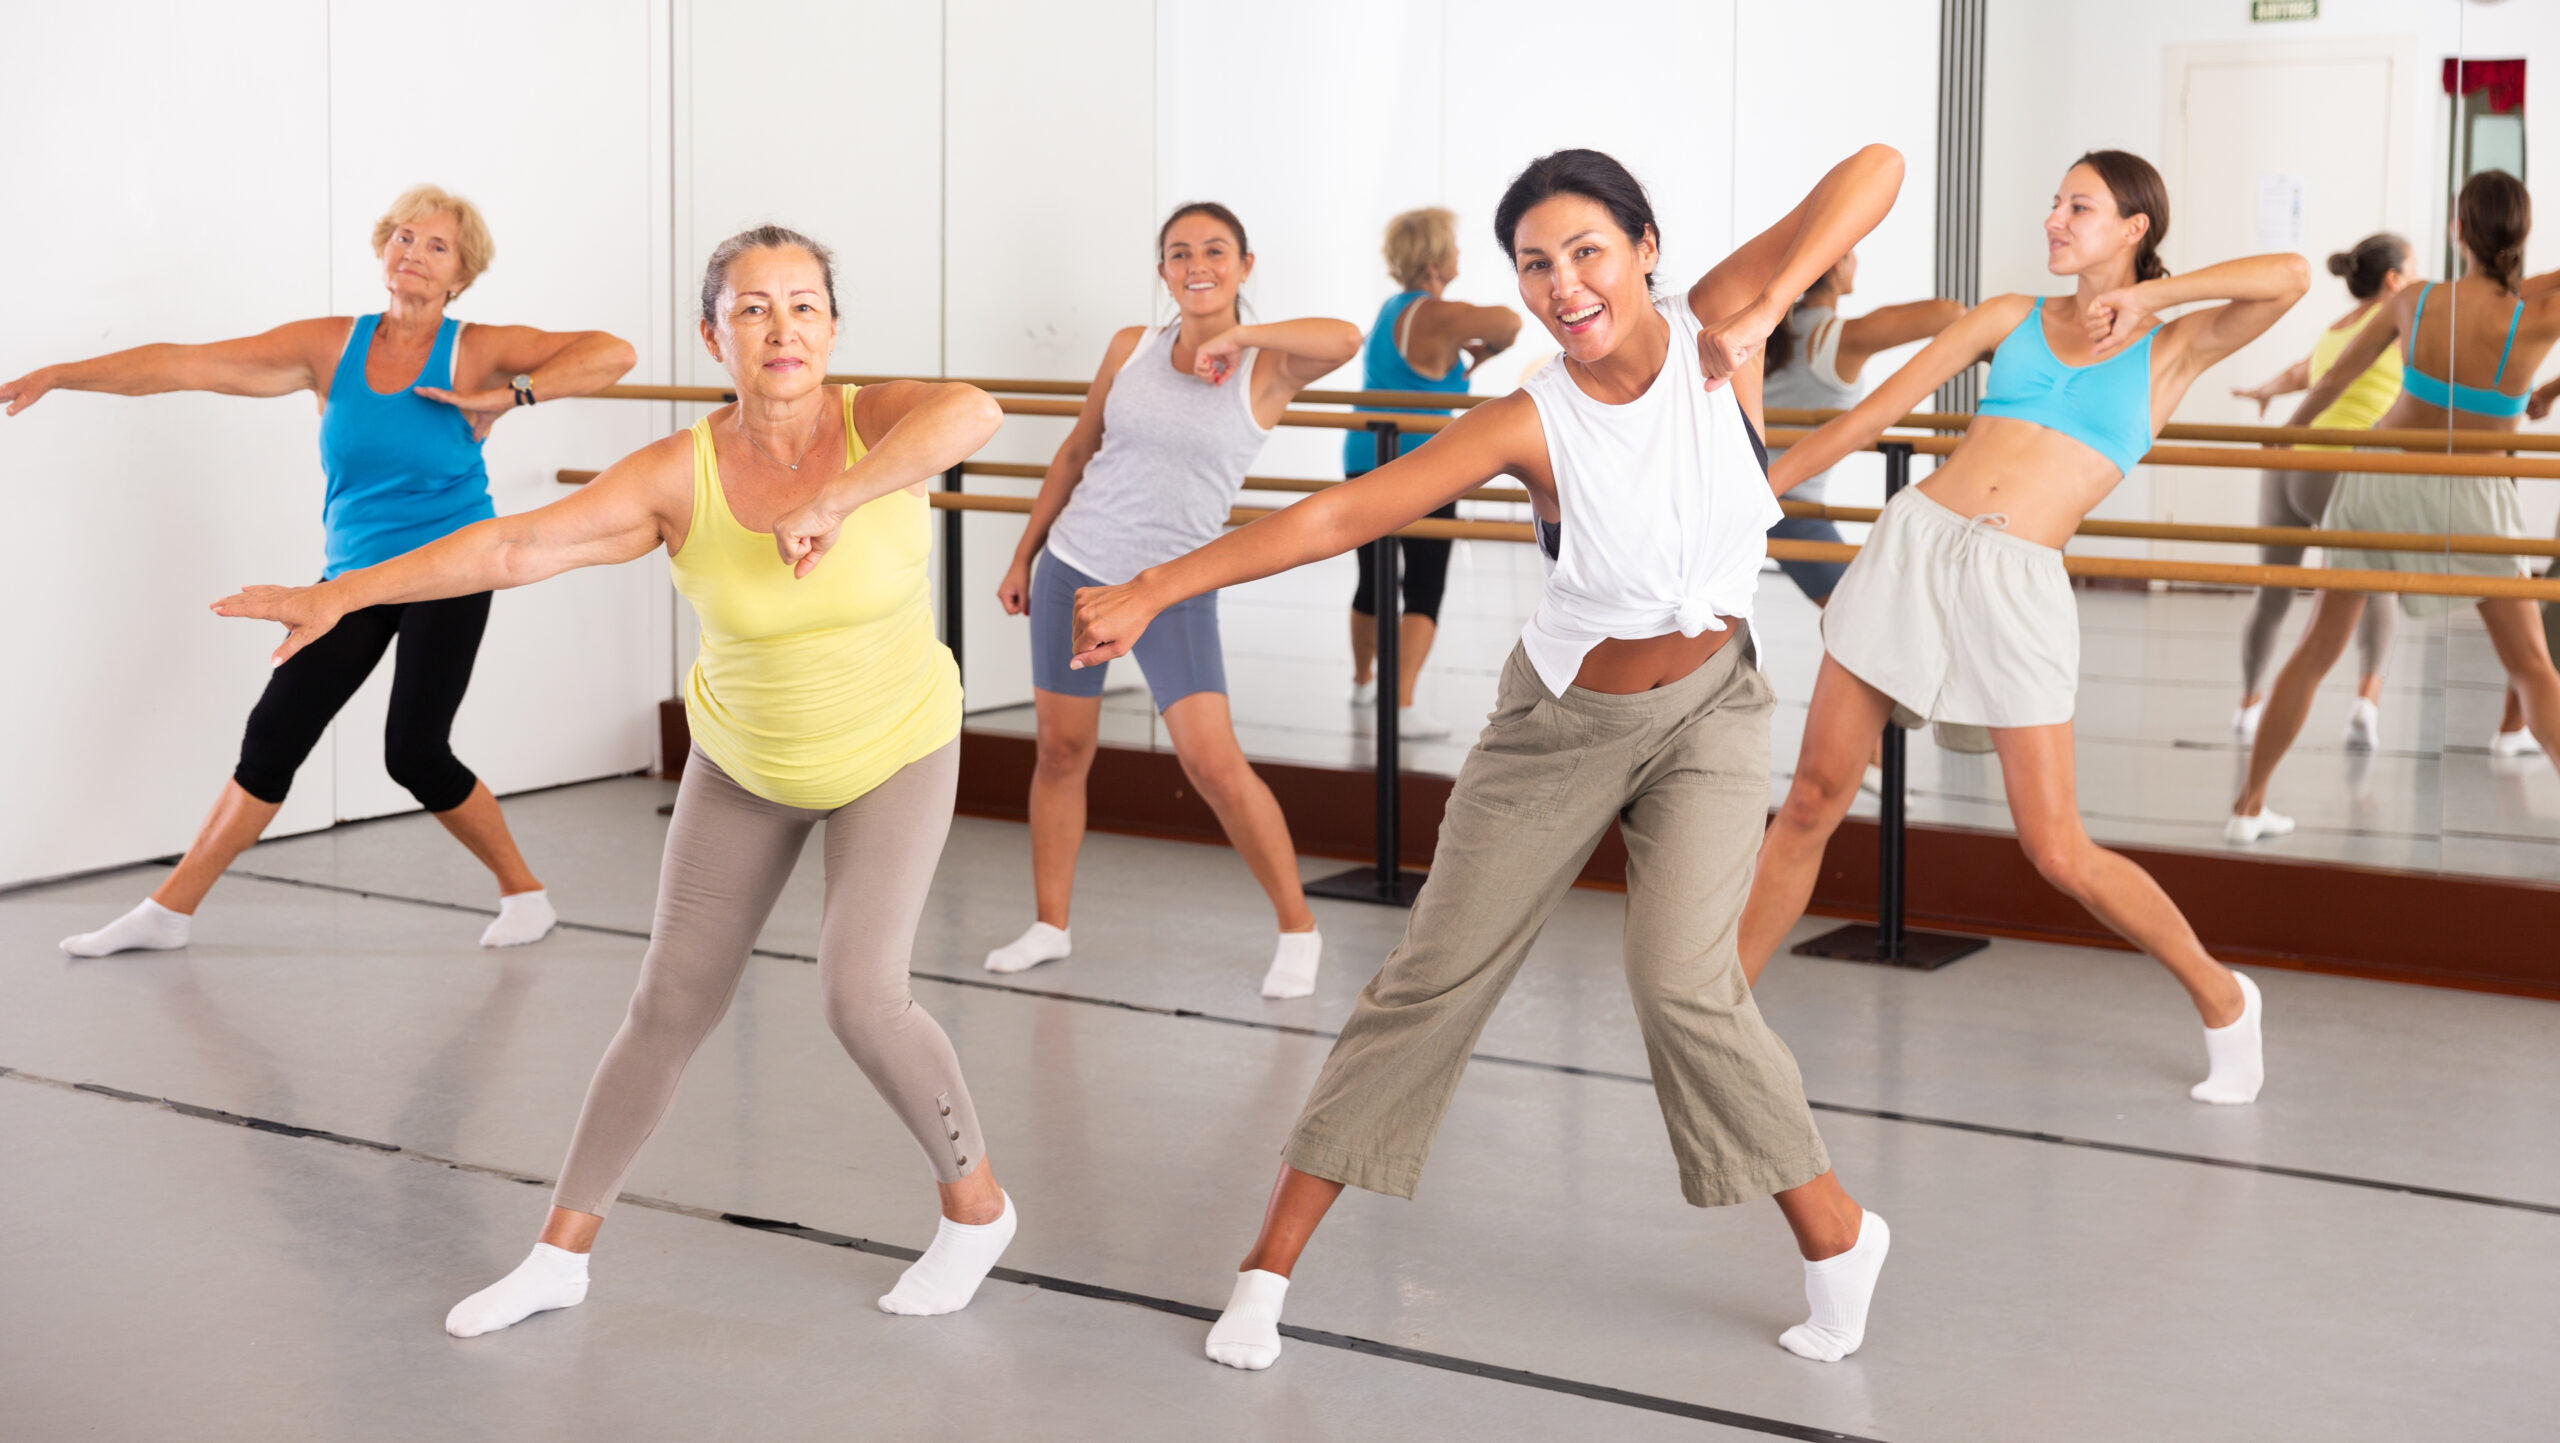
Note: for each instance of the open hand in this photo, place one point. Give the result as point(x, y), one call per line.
point(481, 408)
point(804, 537)
point(306, 611)
point(2116, 319)
point(2254, 393)
point(1732, 343)
point(1217, 359)
point(1109, 620)
point(24, 391)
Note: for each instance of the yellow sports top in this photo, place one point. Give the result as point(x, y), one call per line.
point(811, 692)
point(2368, 395)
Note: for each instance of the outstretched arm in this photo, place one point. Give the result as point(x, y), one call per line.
point(625, 512)
point(271, 363)
point(1886, 327)
point(911, 431)
point(1484, 443)
point(1747, 294)
point(1968, 341)
point(2258, 289)
point(2376, 336)
point(1066, 469)
point(2292, 378)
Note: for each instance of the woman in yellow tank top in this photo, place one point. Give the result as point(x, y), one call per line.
point(821, 698)
point(2374, 270)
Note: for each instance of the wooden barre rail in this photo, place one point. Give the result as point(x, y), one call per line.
point(2421, 541)
point(2314, 578)
point(2530, 468)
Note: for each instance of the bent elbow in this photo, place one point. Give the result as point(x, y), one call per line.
point(623, 356)
point(984, 415)
point(2297, 276)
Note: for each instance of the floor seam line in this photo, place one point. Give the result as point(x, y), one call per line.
point(1443, 1362)
point(1981, 1129)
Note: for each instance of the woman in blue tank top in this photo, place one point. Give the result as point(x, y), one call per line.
point(1958, 609)
point(1421, 342)
point(406, 398)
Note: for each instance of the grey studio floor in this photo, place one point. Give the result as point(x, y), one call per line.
point(2080, 1252)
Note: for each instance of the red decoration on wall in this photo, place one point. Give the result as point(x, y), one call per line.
point(2503, 79)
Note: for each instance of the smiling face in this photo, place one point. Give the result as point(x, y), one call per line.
point(1203, 266)
point(422, 259)
point(775, 329)
point(2083, 231)
point(1581, 275)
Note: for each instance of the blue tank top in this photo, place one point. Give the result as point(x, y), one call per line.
point(403, 470)
point(2105, 405)
point(1383, 368)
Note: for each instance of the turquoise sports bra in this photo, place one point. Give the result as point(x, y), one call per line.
point(2478, 400)
point(2105, 405)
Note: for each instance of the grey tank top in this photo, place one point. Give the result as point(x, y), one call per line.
point(1811, 380)
point(1174, 453)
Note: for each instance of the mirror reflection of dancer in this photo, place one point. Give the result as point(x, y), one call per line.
point(2492, 325)
point(1813, 364)
point(1150, 471)
point(1958, 606)
point(821, 700)
point(1627, 700)
point(1421, 341)
point(406, 397)
point(2374, 272)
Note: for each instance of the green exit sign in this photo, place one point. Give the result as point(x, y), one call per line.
point(2284, 9)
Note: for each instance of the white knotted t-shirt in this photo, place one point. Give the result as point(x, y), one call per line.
point(1666, 509)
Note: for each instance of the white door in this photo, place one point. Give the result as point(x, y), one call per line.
point(2281, 146)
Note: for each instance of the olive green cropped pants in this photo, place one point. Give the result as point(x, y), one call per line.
point(1684, 770)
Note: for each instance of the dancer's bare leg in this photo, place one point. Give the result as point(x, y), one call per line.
point(1841, 727)
point(232, 827)
point(2333, 624)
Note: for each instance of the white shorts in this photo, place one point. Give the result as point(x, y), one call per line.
point(1957, 620)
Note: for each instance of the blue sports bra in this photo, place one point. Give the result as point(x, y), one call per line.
point(2105, 405)
point(2478, 400)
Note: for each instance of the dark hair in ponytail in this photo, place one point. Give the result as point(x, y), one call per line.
point(1215, 212)
point(1587, 173)
point(2371, 259)
point(2496, 214)
point(2138, 190)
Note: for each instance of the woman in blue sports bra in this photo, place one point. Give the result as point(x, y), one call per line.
point(1957, 608)
point(406, 397)
point(2492, 325)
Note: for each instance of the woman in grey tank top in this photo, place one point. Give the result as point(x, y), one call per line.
point(1149, 473)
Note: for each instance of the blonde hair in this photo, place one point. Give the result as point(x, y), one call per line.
point(1418, 240)
point(471, 233)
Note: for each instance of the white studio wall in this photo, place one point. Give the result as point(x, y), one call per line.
point(198, 208)
point(233, 188)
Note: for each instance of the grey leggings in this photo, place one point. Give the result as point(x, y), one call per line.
point(729, 852)
point(2300, 498)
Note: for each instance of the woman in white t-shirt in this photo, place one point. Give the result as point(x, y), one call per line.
point(1627, 701)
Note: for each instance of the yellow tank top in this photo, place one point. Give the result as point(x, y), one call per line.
point(811, 692)
point(2368, 395)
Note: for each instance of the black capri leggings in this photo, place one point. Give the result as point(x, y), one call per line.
point(439, 640)
point(1424, 564)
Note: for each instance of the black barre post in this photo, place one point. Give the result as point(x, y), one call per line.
point(1385, 881)
point(1888, 941)
point(952, 598)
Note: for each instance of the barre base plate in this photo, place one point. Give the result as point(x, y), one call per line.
point(1921, 951)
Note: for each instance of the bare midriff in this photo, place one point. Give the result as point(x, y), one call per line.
point(2043, 481)
point(1621, 667)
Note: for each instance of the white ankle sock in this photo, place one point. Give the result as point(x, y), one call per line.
point(2517, 743)
point(1043, 943)
point(947, 1276)
point(524, 917)
point(1247, 1334)
point(548, 1278)
point(147, 928)
point(2237, 1053)
point(1838, 1290)
point(1293, 965)
point(2364, 726)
